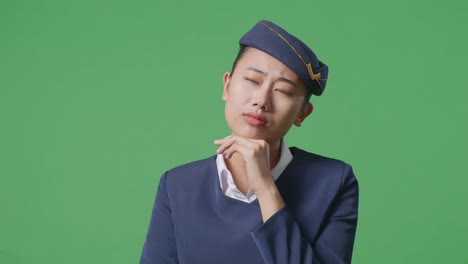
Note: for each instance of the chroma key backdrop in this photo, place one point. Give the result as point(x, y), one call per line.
point(99, 98)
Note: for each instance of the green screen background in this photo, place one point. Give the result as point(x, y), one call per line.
point(99, 98)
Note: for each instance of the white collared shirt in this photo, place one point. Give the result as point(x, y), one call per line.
point(228, 186)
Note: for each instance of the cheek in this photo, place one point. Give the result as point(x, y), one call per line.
point(237, 96)
point(289, 109)
point(232, 105)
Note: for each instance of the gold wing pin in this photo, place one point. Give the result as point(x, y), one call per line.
point(315, 77)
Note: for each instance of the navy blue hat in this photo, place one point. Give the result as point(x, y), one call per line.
point(270, 38)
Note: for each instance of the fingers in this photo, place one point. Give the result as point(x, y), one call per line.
point(224, 144)
point(227, 146)
point(248, 148)
point(243, 147)
point(219, 141)
point(231, 150)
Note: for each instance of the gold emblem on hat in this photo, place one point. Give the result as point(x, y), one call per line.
point(314, 76)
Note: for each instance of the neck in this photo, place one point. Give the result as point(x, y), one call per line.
point(275, 151)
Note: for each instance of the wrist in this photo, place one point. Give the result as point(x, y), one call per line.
point(269, 190)
point(270, 201)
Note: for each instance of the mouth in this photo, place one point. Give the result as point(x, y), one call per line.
point(254, 119)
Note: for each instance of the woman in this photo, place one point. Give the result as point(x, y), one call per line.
point(258, 201)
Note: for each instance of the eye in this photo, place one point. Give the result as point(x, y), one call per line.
point(284, 92)
point(251, 80)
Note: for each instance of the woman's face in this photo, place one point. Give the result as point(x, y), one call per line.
point(264, 98)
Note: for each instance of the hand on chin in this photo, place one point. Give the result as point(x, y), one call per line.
point(255, 154)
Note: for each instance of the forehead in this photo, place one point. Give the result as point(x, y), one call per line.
point(263, 61)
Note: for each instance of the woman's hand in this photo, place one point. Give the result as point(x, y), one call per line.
point(256, 155)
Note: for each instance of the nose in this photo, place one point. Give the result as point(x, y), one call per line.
point(262, 98)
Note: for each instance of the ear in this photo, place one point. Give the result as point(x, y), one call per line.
point(305, 112)
point(226, 81)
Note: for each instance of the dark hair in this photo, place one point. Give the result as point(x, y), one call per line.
point(243, 49)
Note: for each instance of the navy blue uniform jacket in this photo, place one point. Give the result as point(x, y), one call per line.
point(194, 222)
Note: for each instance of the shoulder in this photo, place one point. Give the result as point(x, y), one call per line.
point(318, 161)
point(190, 173)
point(322, 168)
point(194, 165)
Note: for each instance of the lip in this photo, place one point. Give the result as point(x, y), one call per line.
point(254, 119)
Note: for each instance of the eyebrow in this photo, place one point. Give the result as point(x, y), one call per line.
point(281, 79)
point(257, 71)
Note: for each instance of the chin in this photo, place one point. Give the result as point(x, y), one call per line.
point(248, 131)
point(253, 134)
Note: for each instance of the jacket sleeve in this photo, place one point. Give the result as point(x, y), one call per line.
point(160, 245)
point(280, 240)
